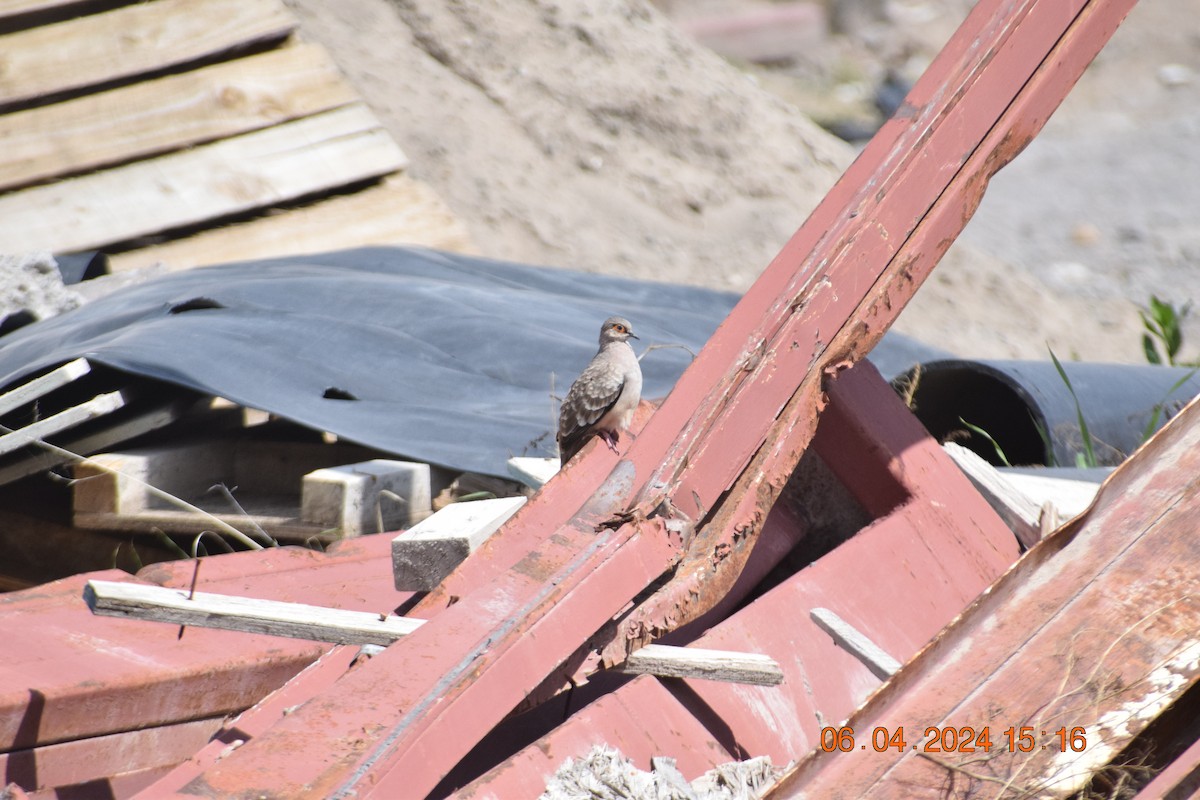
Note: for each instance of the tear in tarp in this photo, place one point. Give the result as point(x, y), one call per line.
point(443, 358)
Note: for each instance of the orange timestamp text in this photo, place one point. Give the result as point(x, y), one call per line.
point(948, 739)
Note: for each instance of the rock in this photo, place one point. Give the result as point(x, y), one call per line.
point(31, 288)
point(1173, 75)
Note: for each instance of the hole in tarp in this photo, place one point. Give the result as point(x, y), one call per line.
point(195, 304)
point(334, 393)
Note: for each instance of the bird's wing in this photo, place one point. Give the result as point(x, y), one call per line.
point(591, 396)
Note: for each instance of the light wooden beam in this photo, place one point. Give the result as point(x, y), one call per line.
point(855, 642)
point(44, 384)
point(399, 210)
point(1017, 510)
point(694, 662)
point(251, 615)
point(96, 407)
point(321, 624)
point(427, 552)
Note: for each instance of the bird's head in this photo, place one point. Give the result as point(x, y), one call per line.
point(616, 329)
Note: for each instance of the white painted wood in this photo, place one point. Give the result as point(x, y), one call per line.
point(96, 407)
point(44, 384)
point(427, 552)
point(368, 497)
point(881, 664)
point(694, 662)
point(1017, 509)
point(226, 612)
point(533, 472)
point(231, 176)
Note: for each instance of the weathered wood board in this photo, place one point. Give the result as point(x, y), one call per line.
point(129, 41)
point(193, 132)
point(169, 113)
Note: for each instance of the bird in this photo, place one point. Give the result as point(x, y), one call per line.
point(602, 399)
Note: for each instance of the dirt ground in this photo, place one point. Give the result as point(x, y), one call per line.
point(597, 134)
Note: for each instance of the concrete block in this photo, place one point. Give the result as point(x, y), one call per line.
point(426, 553)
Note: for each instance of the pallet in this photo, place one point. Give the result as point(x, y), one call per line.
point(294, 492)
point(192, 132)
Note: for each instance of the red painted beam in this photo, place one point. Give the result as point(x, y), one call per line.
point(618, 720)
point(66, 675)
point(81, 761)
point(1009, 70)
point(482, 656)
point(899, 581)
point(831, 270)
point(1063, 662)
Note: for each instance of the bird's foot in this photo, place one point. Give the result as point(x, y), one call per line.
point(610, 438)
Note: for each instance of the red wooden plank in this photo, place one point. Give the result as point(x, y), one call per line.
point(66, 674)
point(899, 581)
point(785, 322)
point(481, 656)
point(314, 679)
point(1090, 631)
point(618, 720)
point(86, 760)
point(1179, 780)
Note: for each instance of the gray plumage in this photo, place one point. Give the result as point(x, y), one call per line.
point(603, 398)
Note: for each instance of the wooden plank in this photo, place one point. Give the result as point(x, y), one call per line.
point(1070, 497)
point(226, 612)
point(170, 113)
point(695, 662)
point(125, 430)
point(43, 385)
point(533, 472)
point(1018, 511)
point(300, 621)
point(258, 169)
point(368, 497)
point(426, 553)
point(400, 210)
point(16, 8)
point(96, 407)
point(143, 37)
point(97, 758)
point(1092, 631)
point(855, 642)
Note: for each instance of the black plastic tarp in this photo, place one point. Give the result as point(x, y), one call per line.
point(438, 357)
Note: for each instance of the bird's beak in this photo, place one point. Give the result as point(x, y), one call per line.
point(632, 335)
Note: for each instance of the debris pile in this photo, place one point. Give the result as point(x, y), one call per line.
point(777, 563)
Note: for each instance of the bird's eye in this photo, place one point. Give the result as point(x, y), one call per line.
point(619, 328)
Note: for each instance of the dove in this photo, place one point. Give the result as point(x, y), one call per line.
point(603, 398)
